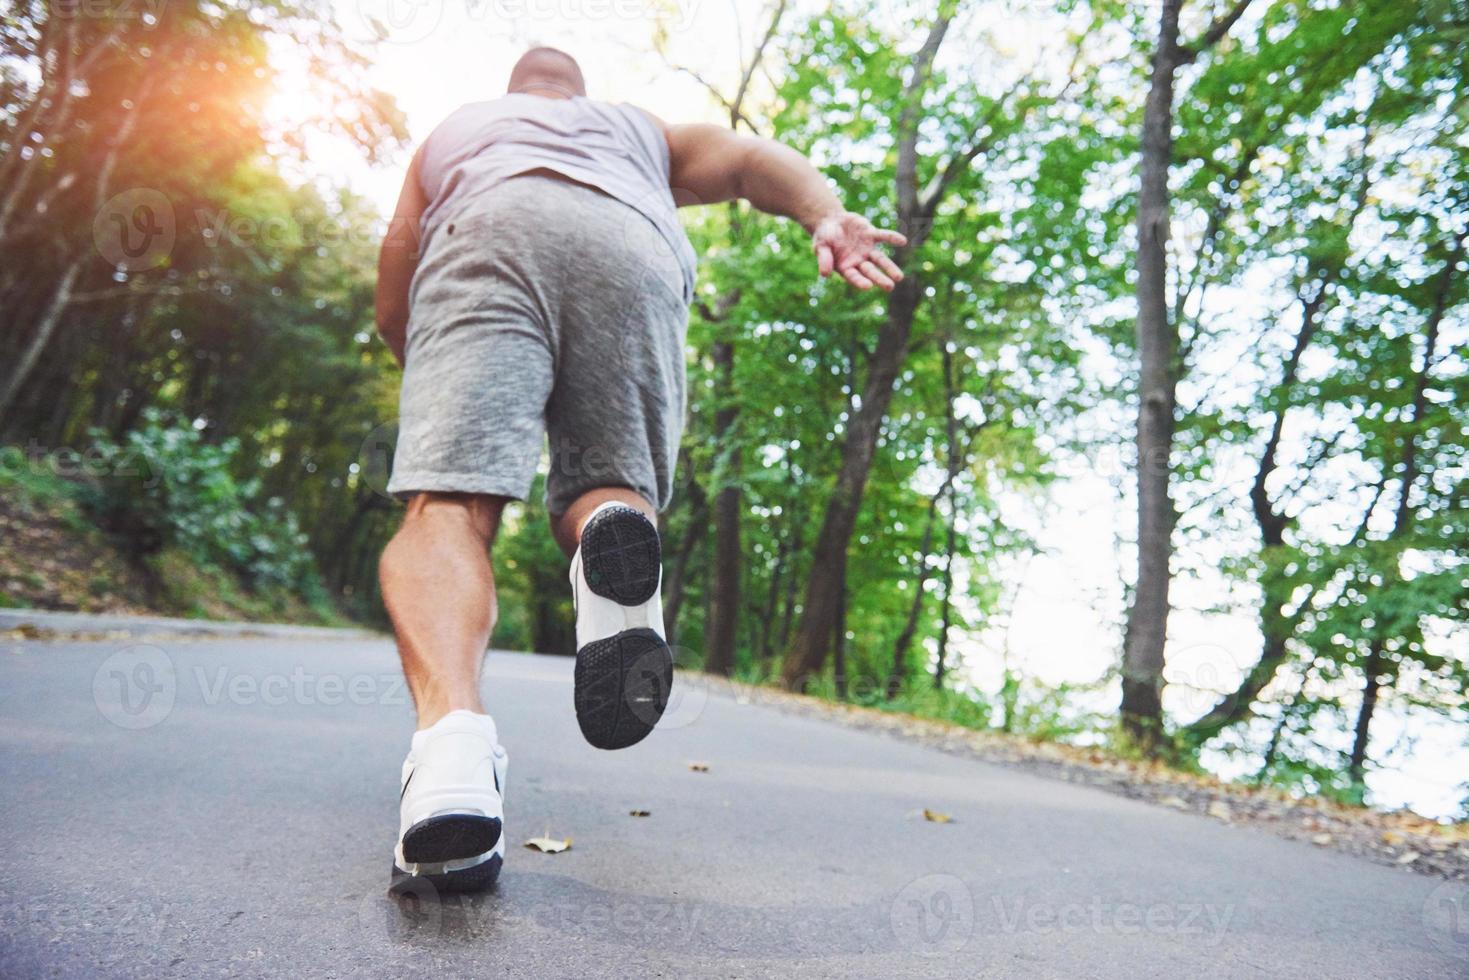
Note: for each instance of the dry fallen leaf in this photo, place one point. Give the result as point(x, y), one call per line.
point(933, 816)
point(549, 845)
point(1177, 802)
point(1407, 857)
point(699, 766)
point(1220, 811)
point(1322, 839)
point(639, 813)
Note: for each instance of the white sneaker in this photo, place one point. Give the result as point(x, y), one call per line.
point(451, 815)
point(624, 669)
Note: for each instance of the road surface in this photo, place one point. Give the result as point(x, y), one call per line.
point(226, 807)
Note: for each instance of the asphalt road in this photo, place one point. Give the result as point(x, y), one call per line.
point(226, 807)
point(46, 620)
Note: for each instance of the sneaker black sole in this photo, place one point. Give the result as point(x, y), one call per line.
point(621, 556)
point(621, 687)
point(474, 879)
point(450, 837)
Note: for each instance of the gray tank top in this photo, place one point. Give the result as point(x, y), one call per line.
point(617, 149)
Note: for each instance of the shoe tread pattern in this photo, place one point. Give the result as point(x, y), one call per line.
point(474, 879)
point(621, 687)
point(450, 837)
point(621, 556)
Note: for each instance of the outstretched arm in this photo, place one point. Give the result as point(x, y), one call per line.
point(397, 262)
point(713, 164)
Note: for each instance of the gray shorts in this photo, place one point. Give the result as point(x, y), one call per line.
point(543, 307)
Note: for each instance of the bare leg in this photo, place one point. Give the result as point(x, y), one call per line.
point(440, 594)
point(567, 527)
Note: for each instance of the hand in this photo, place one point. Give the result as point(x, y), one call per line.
point(847, 244)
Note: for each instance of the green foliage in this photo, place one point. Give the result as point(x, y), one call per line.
point(1055, 713)
point(530, 574)
point(33, 488)
point(801, 349)
point(1332, 152)
point(255, 321)
point(166, 487)
point(967, 709)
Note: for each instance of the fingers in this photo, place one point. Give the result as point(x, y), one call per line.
point(854, 276)
point(869, 266)
point(824, 259)
point(887, 265)
point(873, 273)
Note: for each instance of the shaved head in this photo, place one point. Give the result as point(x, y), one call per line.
point(548, 69)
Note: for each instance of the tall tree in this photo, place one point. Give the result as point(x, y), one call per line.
point(1343, 125)
point(725, 597)
point(1158, 374)
point(923, 181)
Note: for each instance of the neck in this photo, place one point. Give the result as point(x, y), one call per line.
point(547, 90)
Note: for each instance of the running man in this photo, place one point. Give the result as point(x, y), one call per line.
point(535, 282)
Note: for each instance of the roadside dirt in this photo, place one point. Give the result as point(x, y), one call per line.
point(45, 563)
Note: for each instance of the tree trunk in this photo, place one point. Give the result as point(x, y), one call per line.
point(772, 596)
point(61, 295)
point(678, 581)
point(724, 609)
point(839, 639)
point(50, 111)
point(788, 604)
point(941, 665)
point(724, 600)
point(40, 336)
point(829, 557)
point(958, 458)
point(1147, 621)
point(1272, 748)
point(1288, 711)
point(1357, 766)
point(899, 670)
